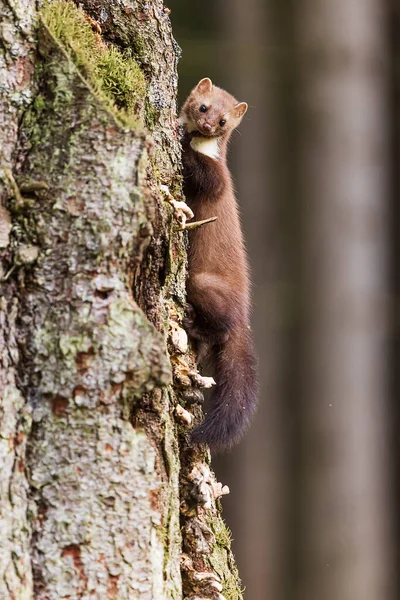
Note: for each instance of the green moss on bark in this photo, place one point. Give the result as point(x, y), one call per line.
point(115, 77)
point(222, 560)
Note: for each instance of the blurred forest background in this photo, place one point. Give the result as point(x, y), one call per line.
point(315, 486)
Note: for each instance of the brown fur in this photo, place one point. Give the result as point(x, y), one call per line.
point(218, 283)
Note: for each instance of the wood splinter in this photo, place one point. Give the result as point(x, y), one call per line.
point(13, 184)
point(196, 224)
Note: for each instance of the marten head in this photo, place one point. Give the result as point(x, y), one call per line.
point(211, 112)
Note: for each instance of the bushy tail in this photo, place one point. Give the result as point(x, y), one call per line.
point(234, 399)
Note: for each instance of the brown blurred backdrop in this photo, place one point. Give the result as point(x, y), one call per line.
point(314, 487)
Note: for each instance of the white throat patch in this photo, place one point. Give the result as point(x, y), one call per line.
point(207, 146)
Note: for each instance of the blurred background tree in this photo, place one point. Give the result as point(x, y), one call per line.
point(314, 485)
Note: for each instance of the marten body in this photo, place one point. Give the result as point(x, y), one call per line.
point(218, 283)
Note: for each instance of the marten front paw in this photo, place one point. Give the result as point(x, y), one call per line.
point(189, 318)
point(191, 325)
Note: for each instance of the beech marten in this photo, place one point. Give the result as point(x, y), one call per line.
point(217, 316)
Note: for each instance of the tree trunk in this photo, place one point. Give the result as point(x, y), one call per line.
point(345, 547)
point(101, 494)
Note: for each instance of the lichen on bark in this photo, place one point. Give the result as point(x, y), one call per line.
point(99, 475)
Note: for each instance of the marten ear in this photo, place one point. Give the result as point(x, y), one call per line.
point(204, 86)
point(239, 110)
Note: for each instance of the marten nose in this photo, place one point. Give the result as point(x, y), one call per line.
point(207, 127)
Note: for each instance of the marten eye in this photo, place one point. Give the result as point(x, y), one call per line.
point(222, 122)
point(203, 108)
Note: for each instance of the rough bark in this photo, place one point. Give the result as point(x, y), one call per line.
point(101, 494)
